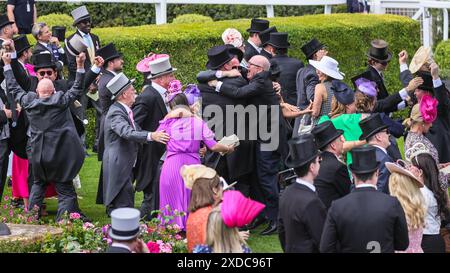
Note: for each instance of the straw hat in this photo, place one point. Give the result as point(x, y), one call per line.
point(422, 56)
point(191, 173)
point(395, 168)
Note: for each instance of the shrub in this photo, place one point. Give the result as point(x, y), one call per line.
point(442, 57)
point(192, 18)
point(57, 20)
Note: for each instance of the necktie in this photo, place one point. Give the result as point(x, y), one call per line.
point(131, 116)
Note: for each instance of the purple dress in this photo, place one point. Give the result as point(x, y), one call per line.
point(186, 135)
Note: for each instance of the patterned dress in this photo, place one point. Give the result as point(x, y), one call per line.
point(208, 249)
point(196, 227)
point(414, 138)
point(415, 241)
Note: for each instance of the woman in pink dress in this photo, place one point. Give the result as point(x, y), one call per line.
point(186, 132)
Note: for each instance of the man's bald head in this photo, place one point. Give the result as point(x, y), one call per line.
point(261, 61)
point(45, 88)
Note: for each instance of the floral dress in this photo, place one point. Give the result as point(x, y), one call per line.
point(208, 249)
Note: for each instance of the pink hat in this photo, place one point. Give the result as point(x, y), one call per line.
point(428, 108)
point(237, 210)
point(144, 67)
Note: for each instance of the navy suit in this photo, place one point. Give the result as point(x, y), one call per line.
point(383, 177)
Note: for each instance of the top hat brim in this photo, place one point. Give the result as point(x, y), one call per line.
point(125, 87)
point(288, 45)
point(233, 50)
point(154, 76)
point(389, 57)
point(6, 23)
point(366, 136)
point(23, 49)
point(364, 171)
point(50, 65)
point(251, 30)
point(295, 164)
point(81, 19)
point(118, 55)
point(121, 238)
point(337, 134)
point(314, 51)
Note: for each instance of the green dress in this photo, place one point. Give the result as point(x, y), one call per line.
point(349, 123)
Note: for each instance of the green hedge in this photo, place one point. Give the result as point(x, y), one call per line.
point(192, 18)
point(442, 57)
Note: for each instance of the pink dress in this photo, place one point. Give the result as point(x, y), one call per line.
point(186, 135)
point(415, 241)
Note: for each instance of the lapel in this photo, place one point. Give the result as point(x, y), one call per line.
point(159, 100)
point(120, 106)
point(90, 51)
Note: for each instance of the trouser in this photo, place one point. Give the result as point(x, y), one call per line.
point(67, 197)
point(267, 171)
point(124, 199)
point(433, 244)
point(4, 162)
point(86, 103)
point(99, 198)
point(151, 194)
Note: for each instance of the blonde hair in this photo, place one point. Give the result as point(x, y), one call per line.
point(221, 238)
point(337, 108)
point(364, 103)
point(410, 197)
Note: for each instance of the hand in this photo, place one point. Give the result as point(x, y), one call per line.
point(8, 45)
point(403, 57)
point(244, 235)
point(290, 107)
point(413, 84)
point(55, 41)
point(443, 165)
point(18, 108)
point(80, 60)
point(141, 247)
point(6, 57)
point(202, 152)
point(8, 112)
point(434, 71)
point(160, 136)
point(230, 149)
point(232, 73)
point(98, 61)
point(276, 87)
point(15, 29)
point(212, 83)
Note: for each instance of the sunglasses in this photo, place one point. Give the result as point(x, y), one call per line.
point(85, 22)
point(249, 63)
point(48, 72)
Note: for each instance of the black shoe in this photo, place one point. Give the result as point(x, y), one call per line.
point(272, 228)
point(17, 203)
point(256, 223)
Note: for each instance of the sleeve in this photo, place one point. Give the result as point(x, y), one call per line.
point(328, 241)
point(344, 183)
point(382, 184)
point(206, 76)
point(162, 125)
point(247, 91)
point(395, 128)
point(20, 74)
point(89, 78)
point(314, 219)
point(207, 135)
point(140, 111)
point(75, 91)
point(401, 239)
point(388, 104)
point(71, 66)
point(311, 81)
point(405, 77)
point(442, 97)
point(281, 234)
point(121, 126)
point(20, 96)
point(3, 119)
point(11, 2)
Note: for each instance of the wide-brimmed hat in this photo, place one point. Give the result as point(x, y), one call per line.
point(76, 45)
point(79, 14)
point(118, 84)
point(379, 51)
point(160, 67)
point(264, 36)
point(21, 43)
point(342, 92)
point(43, 60)
point(279, 40)
point(396, 168)
point(4, 20)
point(190, 173)
point(143, 65)
point(124, 224)
point(108, 52)
point(238, 210)
point(258, 25)
point(427, 81)
point(312, 47)
point(325, 133)
point(422, 56)
point(59, 32)
point(328, 66)
point(371, 125)
point(222, 54)
point(364, 160)
point(302, 150)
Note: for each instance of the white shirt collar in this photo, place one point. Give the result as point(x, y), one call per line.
point(126, 107)
point(121, 246)
point(256, 47)
point(365, 185)
point(159, 88)
point(114, 73)
point(306, 183)
point(44, 44)
point(379, 72)
point(381, 148)
point(82, 33)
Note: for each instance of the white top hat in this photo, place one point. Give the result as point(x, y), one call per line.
point(328, 66)
point(160, 67)
point(118, 84)
point(124, 224)
point(76, 45)
point(79, 14)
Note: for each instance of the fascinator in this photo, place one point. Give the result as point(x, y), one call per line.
point(342, 92)
point(144, 65)
point(428, 108)
point(190, 173)
point(237, 210)
point(366, 86)
point(192, 93)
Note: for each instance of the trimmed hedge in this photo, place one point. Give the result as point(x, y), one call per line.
point(192, 18)
point(56, 19)
point(442, 57)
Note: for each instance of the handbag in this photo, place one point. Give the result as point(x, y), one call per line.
point(307, 123)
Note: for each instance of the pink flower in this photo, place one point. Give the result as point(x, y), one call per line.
point(6, 197)
point(174, 86)
point(74, 215)
point(165, 248)
point(153, 247)
point(178, 237)
point(11, 213)
point(5, 207)
point(88, 225)
point(176, 227)
point(4, 219)
point(109, 241)
point(105, 229)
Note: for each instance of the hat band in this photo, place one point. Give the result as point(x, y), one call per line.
point(125, 233)
point(167, 70)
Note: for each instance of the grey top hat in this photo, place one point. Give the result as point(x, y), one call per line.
point(118, 84)
point(124, 224)
point(79, 14)
point(160, 67)
point(76, 45)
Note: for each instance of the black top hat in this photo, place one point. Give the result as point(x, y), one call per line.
point(325, 133)
point(427, 81)
point(371, 125)
point(311, 47)
point(279, 40)
point(264, 36)
point(59, 32)
point(4, 20)
point(366, 75)
point(108, 52)
point(258, 25)
point(220, 55)
point(378, 51)
point(364, 160)
point(342, 92)
point(302, 150)
point(43, 60)
point(21, 44)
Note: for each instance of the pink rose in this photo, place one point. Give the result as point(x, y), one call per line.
point(178, 237)
point(166, 248)
point(174, 86)
point(74, 215)
point(153, 247)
